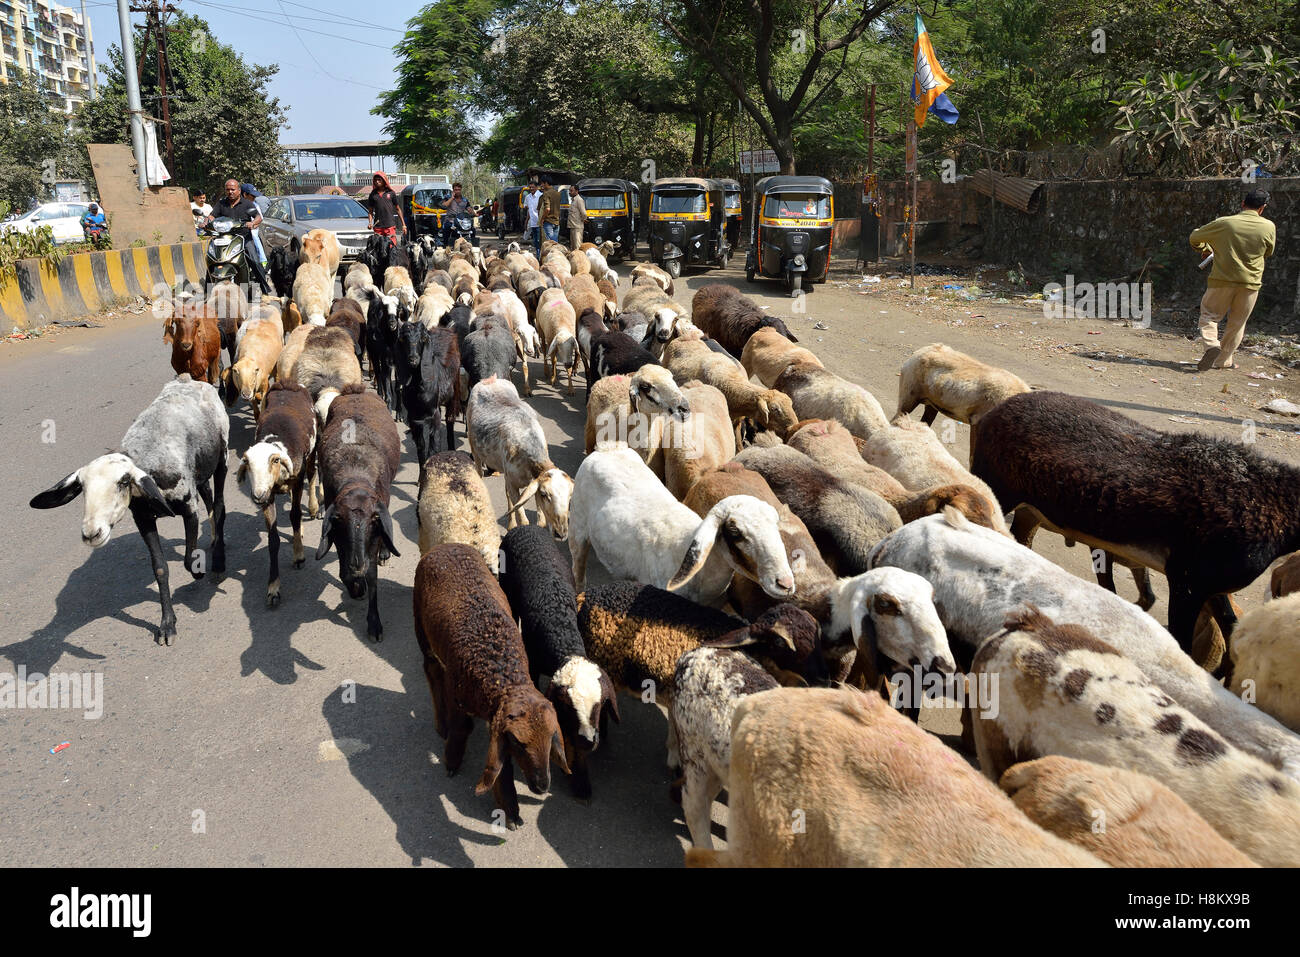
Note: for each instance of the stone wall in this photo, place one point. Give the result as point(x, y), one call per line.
point(1107, 230)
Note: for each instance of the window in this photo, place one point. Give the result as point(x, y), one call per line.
point(279, 210)
point(679, 202)
point(328, 207)
point(607, 201)
point(797, 206)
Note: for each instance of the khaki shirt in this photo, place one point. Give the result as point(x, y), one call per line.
point(577, 211)
point(549, 210)
point(1240, 242)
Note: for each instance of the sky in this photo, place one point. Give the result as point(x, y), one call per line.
point(334, 60)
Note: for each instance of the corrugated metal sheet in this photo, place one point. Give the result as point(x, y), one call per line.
point(1021, 193)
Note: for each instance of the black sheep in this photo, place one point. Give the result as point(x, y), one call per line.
point(615, 353)
point(538, 582)
point(429, 379)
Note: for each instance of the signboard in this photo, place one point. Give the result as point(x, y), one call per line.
point(759, 161)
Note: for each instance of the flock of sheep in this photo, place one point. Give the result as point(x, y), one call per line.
point(770, 530)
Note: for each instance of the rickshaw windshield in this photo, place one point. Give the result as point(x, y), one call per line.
point(733, 200)
point(429, 198)
point(692, 202)
point(607, 201)
point(797, 206)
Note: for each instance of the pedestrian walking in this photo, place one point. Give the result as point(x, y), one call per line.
point(532, 199)
point(549, 211)
point(1240, 243)
point(385, 209)
point(577, 217)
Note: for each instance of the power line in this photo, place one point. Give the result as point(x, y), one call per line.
point(279, 23)
point(341, 19)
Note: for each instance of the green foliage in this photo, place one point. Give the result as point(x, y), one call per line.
point(1237, 108)
point(38, 244)
point(36, 145)
point(224, 122)
point(431, 111)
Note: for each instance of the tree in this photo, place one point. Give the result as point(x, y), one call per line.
point(224, 121)
point(431, 109)
point(36, 144)
point(820, 33)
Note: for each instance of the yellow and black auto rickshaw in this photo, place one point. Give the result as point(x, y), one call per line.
point(731, 192)
point(422, 208)
point(790, 230)
point(613, 213)
point(688, 219)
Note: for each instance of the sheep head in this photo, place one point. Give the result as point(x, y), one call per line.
point(554, 490)
point(750, 532)
point(109, 483)
point(892, 615)
point(788, 637)
point(267, 467)
point(359, 525)
point(525, 729)
point(776, 412)
point(584, 701)
point(652, 391)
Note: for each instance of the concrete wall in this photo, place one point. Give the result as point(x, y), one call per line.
point(161, 215)
point(1104, 230)
point(87, 282)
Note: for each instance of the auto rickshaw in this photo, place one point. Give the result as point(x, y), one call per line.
point(790, 230)
point(508, 212)
point(731, 192)
point(421, 207)
point(688, 219)
point(613, 213)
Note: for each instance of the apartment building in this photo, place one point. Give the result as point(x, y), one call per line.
point(50, 42)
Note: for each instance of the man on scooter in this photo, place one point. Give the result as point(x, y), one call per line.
point(244, 212)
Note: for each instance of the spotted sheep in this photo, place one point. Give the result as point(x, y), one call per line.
point(1064, 691)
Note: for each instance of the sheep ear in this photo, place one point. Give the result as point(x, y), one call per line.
point(792, 336)
point(706, 536)
point(608, 698)
point(386, 530)
point(557, 752)
point(60, 494)
point(529, 491)
point(325, 541)
point(147, 487)
point(740, 638)
point(494, 762)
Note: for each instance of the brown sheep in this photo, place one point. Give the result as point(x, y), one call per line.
point(1286, 576)
point(195, 338)
point(768, 353)
point(476, 666)
point(583, 294)
point(724, 313)
point(1125, 818)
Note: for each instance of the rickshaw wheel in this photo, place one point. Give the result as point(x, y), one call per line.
point(674, 268)
point(749, 274)
point(795, 282)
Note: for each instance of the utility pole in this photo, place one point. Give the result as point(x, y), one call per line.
point(85, 42)
point(155, 25)
point(133, 95)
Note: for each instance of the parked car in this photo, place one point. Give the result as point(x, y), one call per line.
point(290, 216)
point(63, 218)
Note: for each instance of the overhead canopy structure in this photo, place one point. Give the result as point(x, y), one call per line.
point(338, 150)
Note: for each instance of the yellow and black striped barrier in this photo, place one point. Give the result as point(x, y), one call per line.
point(88, 282)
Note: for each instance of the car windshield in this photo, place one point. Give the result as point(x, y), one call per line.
point(330, 207)
point(797, 206)
point(679, 202)
point(611, 201)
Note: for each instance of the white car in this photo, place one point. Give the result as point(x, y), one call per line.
point(63, 218)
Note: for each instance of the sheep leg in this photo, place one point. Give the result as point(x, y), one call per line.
point(451, 432)
point(205, 493)
point(420, 435)
point(374, 627)
point(219, 515)
point(1220, 607)
point(1023, 527)
point(434, 674)
point(699, 789)
point(295, 520)
point(569, 372)
point(929, 415)
point(523, 363)
point(459, 725)
point(1184, 606)
point(193, 558)
point(272, 546)
point(503, 790)
point(1142, 578)
point(579, 548)
point(1106, 572)
point(580, 777)
point(147, 524)
point(313, 491)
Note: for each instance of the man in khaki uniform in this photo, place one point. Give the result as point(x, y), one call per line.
point(1240, 243)
point(577, 217)
point(549, 210)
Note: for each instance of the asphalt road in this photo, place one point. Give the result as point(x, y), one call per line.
point(236, 746)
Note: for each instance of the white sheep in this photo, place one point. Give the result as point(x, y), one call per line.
point(981, 577)
point(313, 291)
point(640, 532)
point(505, 435)
point(1064, 691)
point(945, 380)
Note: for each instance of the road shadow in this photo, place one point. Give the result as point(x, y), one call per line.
point(1228, 419)
point(1187, 368)
point(401, 768)
point(113, 578)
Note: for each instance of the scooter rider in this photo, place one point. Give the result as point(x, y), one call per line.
point(455, 205)
point(245, 213)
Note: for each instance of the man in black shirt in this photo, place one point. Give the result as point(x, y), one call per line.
point(247, 217)
point(385, 209)
point(455, 205)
